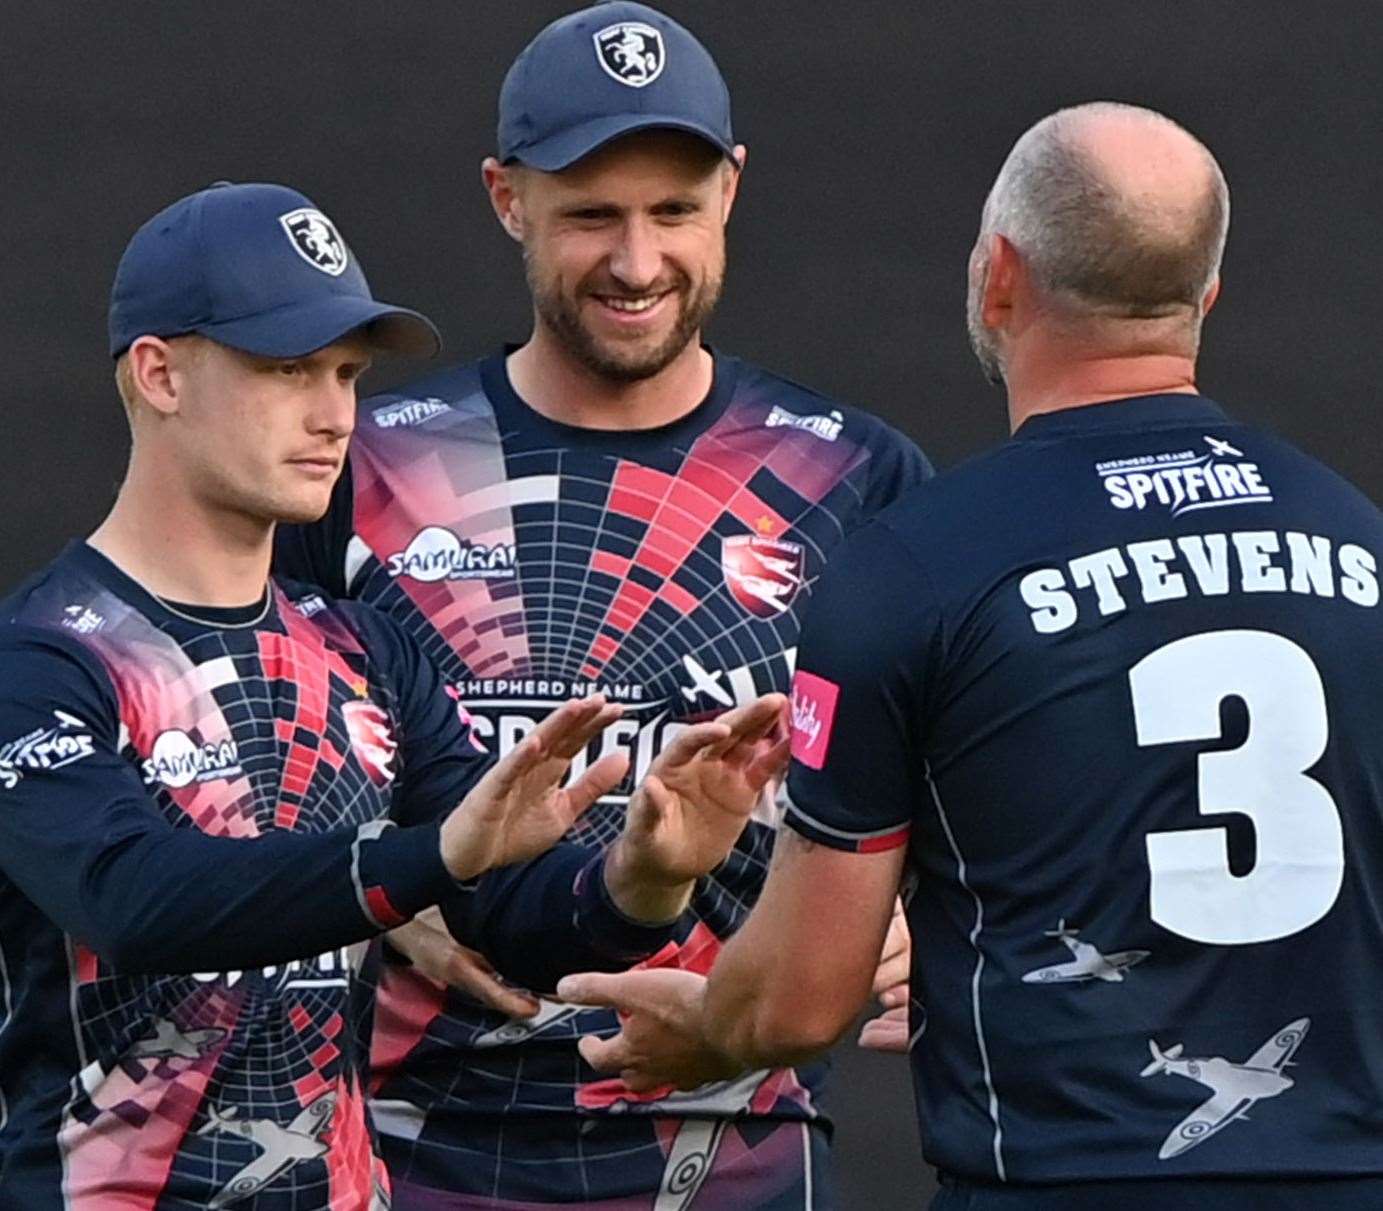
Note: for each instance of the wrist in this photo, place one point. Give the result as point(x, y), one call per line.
point(639, 890)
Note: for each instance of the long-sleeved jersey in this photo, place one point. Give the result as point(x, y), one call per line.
point(1118, 686)
point(533, 561)
point(200, 815)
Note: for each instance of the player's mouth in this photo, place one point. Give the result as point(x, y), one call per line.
point(633, 310)
point(318, 465)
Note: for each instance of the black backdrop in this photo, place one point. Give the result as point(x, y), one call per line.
point(874, 129)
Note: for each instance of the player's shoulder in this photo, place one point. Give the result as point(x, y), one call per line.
point(344, 624)
point(432, 401)
point(792, 406)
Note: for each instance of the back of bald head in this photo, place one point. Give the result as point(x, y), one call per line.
point(1116, 210)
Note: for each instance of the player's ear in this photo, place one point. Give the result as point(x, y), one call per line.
point(504, 185)
point(1211, 297)
point(1001, 282)
point(151, 373)
point(731, 179)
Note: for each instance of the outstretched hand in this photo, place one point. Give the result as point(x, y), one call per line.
point(687, 814)
point(518, 809)
point(660, 1042)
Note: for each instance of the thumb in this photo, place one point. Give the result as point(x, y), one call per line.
point(612, 991)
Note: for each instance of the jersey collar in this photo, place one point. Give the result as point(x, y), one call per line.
point(1136, 412)
point(514, 414)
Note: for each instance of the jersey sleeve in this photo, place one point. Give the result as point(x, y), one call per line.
point(316, 553)
point(898, 465)
point(868, 652)
point(81, 837)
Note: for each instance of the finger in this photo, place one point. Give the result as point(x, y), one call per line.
point(770, 762)
point(604, 1055)
point(595, 988)
point(485, 986)
point(687, 744)
point(756, 720)
point(600, 779)
point(892, 973)
point(887, 1033)
point(567, 730)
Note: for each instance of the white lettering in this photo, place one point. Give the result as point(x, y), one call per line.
point(1100, 569)
point(1256, 571)
point(1360, 568)
point(1044, 591)
point(1150, 561)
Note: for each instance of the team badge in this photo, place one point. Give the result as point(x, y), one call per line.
point(372, 739)
point(764, 574)
point(314, 238)
point(631, 52)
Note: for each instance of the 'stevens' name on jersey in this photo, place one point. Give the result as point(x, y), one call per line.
point(1184, 480)
point(1165, 569)
point(437, 554)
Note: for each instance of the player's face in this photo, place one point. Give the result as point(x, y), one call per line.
point(266, 437)
point(625, 251)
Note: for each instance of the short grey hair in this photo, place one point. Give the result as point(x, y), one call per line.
point(1089, 244)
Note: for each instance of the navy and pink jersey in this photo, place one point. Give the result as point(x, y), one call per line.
point(201, 814)
point(1117, 686)
point(669, 568)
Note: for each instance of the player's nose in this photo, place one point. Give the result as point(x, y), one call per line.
point(637, 258)
point(333, 408)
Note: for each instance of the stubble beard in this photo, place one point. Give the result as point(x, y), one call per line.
point(606, 360)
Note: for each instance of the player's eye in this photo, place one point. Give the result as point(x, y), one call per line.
point(289, 369)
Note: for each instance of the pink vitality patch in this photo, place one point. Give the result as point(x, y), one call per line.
point(813, 715)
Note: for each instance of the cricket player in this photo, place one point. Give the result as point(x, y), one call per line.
point(615, 506)
point(1108, 698)
point(213, 785)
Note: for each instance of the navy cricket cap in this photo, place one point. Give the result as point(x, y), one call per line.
point(605, 71)
point(255, 267)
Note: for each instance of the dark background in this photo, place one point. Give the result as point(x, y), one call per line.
point(874, 129)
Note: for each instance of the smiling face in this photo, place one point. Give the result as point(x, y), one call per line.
point(261, 437)
point(625, 250)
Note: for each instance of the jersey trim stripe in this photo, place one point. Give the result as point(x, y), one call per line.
point(875, 841)
point(975, 980)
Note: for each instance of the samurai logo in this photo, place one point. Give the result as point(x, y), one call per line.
point(316, 240)
point(764, 574)
point(631, 52)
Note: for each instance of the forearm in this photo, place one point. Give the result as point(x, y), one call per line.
point(537, 921)
point(181, 901)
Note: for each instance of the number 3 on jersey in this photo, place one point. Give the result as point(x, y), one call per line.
point(1300, 863)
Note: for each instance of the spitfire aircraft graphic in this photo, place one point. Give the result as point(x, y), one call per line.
point(1087, 962)
point(168, 1042)
point(1235, 1087)
point(283, 1147)
point(550, 1014)
point(705, 682)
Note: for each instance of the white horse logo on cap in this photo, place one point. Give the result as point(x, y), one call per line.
point(316, 240)
point(631, 52)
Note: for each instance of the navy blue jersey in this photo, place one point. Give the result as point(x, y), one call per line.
point(196, 822)
point(532, 561)
point(1118, 686)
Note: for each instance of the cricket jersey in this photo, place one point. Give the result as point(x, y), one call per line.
point(1117, 687)
point(202, 812)
point(667, 568)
